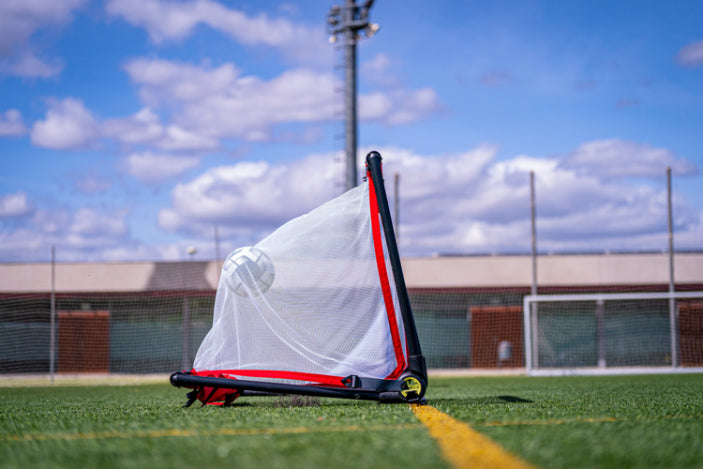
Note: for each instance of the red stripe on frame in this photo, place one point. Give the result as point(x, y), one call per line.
point(276, 374)
point(385, 284)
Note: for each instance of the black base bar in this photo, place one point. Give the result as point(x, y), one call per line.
point(185, 379)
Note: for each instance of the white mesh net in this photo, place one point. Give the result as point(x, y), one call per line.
point(307, 299)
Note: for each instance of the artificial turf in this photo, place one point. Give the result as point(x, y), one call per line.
point(623, 421)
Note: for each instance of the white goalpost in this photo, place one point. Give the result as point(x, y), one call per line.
point(615, 333)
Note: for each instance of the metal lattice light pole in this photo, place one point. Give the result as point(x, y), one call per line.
point(348, 21)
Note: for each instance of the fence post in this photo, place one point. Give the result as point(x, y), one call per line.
point(673, 322)
point(533, 290)
point(600, 332)
point(52, 317)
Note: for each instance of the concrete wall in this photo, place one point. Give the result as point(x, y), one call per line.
point(438, 272)
point(552, 270)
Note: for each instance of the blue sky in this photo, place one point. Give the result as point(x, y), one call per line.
point(130, 129)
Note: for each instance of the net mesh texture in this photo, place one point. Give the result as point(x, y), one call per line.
point(307, 302)
point(618, 332)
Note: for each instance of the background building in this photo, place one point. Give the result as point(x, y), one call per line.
point(145, 317)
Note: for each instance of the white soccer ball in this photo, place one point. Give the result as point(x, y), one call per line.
point(250, 269)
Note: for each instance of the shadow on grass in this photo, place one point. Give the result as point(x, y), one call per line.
point(515, 399)
point(480, 400)
point(298, 401)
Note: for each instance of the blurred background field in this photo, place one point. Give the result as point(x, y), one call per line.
point(150, 317)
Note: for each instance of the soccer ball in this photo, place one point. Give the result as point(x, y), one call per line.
point(248, 269)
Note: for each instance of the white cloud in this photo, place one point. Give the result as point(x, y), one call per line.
point(423, 175)
point(164, 80)
point(691, 55)
point(169, 21)
point(255, 195)
point(142, 127)
point(88, 222)
point(620, 158)
point(154, 167)
point(84, 228)
point(220, 102)
point(458, 203)
point(177, 138)
point(68, 124)
point(23, 245)
point(15, 205)
point(145, 128)
point(19, 21)
point(83, 235)
point(51, 223)
point(379, 70)
point(395, 105)
point(28, 65)
point(413, 105)
point(374, 106)
point(400, 106)
point(92, 229)
point(11, 124)
point(378, 65)
point(467, 202)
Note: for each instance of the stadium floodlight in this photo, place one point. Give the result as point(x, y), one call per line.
point(371, 29)
point(348, 21)
point(319, 307)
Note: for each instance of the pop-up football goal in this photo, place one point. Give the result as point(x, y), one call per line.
point(317, 308)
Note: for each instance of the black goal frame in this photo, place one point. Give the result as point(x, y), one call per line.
point(409, 387)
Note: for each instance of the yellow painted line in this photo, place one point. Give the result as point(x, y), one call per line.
point(195, 432)
point(462, 446)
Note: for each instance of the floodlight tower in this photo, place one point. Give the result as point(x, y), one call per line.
point(347, 21)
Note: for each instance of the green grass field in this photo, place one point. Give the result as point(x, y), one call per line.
point(624, 421)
